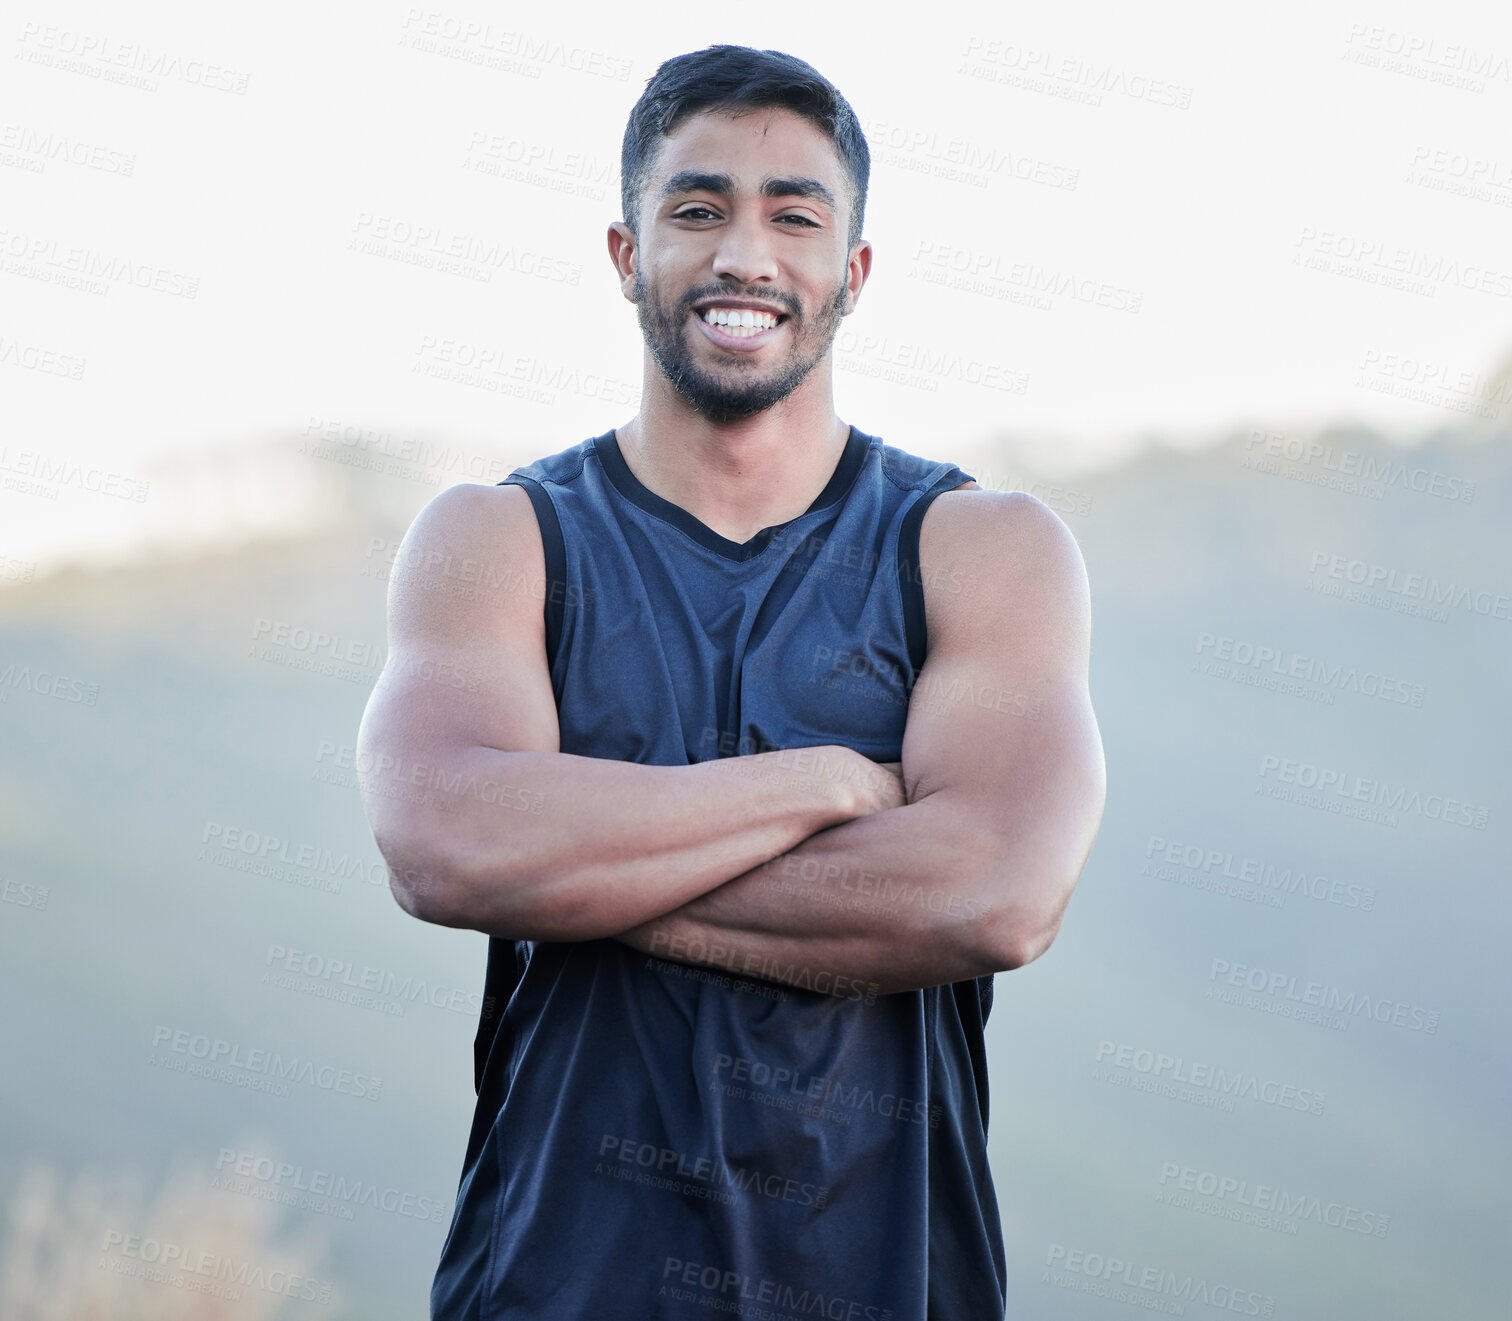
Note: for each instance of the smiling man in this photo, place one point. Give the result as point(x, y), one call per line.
point(764, 745)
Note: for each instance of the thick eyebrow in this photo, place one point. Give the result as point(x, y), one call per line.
point(697, 181)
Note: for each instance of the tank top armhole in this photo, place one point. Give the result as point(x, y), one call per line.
point(555, 549)
point(910, 583)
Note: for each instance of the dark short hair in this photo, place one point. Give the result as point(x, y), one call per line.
point(736, 78)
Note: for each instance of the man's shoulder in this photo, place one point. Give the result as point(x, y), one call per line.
point(980, 548)
point(471, 507)
point(959, 517)
point(471, 524)
point(908, 470)
point(560, 467)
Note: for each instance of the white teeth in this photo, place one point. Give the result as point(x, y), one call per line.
point(741, 322)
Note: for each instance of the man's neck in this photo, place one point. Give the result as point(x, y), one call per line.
point(736, 477)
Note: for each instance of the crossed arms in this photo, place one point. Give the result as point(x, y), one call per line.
point(817, 866)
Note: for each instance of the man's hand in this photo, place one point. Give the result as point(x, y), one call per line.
point(999, 805)
point(897, 793)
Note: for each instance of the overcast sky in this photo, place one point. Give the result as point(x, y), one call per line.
point(1091, 223)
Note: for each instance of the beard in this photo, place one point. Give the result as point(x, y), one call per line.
point(731, 394)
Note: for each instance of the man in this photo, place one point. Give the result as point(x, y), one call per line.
point(762, 746)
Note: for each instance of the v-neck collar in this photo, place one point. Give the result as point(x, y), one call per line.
point(633, 489)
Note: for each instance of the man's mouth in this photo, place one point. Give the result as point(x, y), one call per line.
point(740, 322)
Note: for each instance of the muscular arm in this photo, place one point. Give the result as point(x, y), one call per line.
point(484, 822)
point(1005, 775)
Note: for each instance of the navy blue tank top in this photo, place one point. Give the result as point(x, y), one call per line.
point(655, 1141)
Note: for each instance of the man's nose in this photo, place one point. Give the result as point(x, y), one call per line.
point(745, 252)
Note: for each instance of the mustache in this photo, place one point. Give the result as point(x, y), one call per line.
point(784, 304)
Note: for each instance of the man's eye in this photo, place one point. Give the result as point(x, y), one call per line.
point(692, 213)
point(802, 220)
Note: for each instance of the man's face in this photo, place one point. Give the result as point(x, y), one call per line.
point(744, 215)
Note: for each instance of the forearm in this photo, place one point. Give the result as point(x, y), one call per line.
point(552, 846)
point(972, 876)
point(896, 900)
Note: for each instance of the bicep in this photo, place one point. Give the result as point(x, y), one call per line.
point(466, 665)
point(1000, 718)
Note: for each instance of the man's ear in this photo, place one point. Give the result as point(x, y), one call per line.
point(856, 273)
point(624, 253)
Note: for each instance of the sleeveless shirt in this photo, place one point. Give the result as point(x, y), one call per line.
point(655, 1141)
